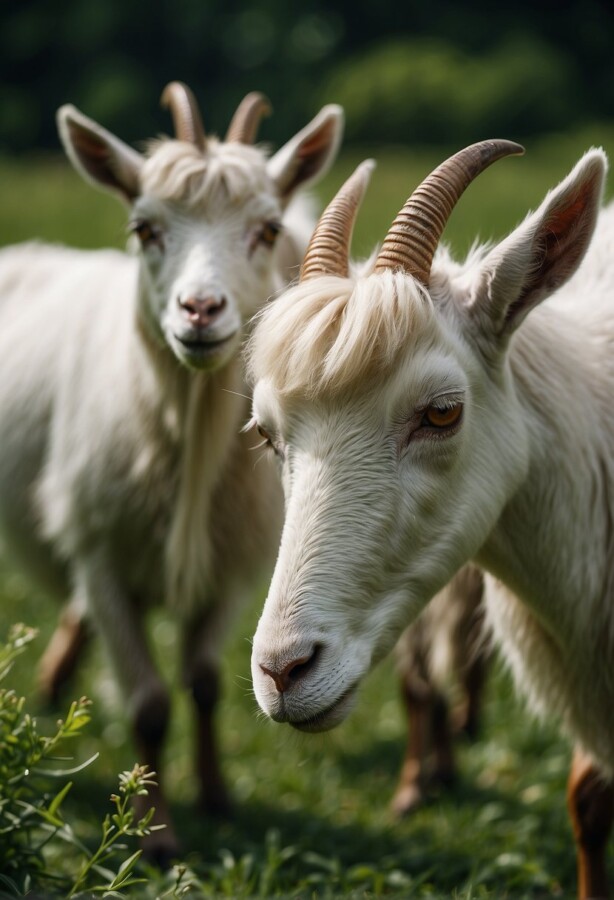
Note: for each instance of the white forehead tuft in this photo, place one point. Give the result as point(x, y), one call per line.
point(180, 172)
point(330, 334)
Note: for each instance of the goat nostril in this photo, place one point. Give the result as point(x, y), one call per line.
point(293, 671)
point(203, 308)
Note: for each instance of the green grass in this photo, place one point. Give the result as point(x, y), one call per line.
point(311, 813)
point(501, 832)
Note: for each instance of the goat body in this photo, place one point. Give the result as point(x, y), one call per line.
point(125, 479)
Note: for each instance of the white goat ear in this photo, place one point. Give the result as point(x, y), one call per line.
point(98, 155)
point(542, 253)
point(309, 154)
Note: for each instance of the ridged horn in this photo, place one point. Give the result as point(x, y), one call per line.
point(415, 233)
point(329, 248)
point(179, 99)
point(244, 124)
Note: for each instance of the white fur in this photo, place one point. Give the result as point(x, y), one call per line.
point(124, 478)
point(380, 515)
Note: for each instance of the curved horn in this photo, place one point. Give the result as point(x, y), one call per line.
point(415, 233)
point(329, 247)
point(244, 124)
point(179, 99)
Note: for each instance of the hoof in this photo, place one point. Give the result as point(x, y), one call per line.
point(408, 799)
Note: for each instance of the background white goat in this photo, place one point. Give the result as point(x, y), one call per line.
point(124, 480)
point(417, 427)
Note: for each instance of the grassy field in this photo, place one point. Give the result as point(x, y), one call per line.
point(311, 817)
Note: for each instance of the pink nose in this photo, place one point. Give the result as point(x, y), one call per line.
point(291, 673)
point(201, 311)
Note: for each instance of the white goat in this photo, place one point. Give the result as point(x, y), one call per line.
point(124, 480)
point(417, 427)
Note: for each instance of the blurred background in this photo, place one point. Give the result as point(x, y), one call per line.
point(417, 80)
point(415, 72)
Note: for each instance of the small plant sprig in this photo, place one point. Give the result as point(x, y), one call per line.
point(32, 826)
point(115, 826)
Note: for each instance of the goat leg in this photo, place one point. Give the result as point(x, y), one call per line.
point(62, 653)
point(410, 790)
point(199, 658)
point(590, 800)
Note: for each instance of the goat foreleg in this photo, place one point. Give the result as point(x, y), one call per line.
point(427, 719)
point(122, 627)
point(201, 677)
point(63, 651)
point(590, 800)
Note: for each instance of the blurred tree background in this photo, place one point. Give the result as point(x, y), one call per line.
point(415, 72)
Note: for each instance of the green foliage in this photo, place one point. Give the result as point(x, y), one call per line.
point(526, 63)
point(432, 91)
point(33, 832)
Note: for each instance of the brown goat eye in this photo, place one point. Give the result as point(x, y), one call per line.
point(264, 434)
point(442, 417)
point(145, 231)
point(269, 233)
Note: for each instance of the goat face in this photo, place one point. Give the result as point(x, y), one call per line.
point(206, 215)
point(206, 266)
point(388, 491)
point(397, 423)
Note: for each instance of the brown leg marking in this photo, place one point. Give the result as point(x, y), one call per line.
point(410, 789)
point(62, 654)
point(590, 800)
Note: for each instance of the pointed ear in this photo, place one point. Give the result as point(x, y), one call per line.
point(309, 154)
point(99, 156)
point(542, 253)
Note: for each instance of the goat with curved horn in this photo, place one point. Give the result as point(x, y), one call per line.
point(419, 428)
point(244, 124)
point(329, 248)
point(179, 99)
point(413, 237)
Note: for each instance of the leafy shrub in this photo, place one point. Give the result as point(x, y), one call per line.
point(429, 90)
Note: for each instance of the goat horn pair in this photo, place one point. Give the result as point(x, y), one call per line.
point(415, 233)
point(244, 124)
point(179, 99)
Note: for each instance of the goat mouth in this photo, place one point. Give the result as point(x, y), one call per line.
point(327, 718)
point(204, 346)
